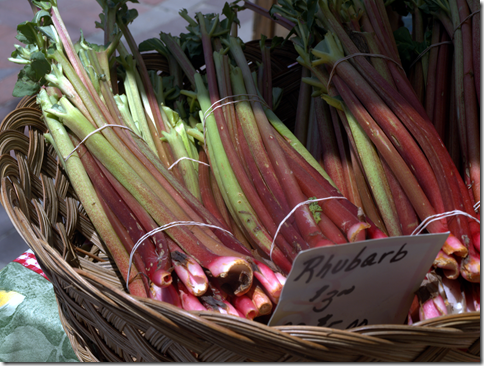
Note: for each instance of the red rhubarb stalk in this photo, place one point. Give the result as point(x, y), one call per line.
point(440, 113)
point(472, 121)
point(305, 222)
point(292, 236)
point(432, 78)
point(188, 300)
point(448, 264)
point(167, 294)
point(155, 259)
point(260, 300)
point(332, 160)
point(245, 306)
point(408, 181)
point(347, 160)
point(84, 189)
point(269, 281)
point(206, 192)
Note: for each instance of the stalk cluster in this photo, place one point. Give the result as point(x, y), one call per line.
point(194, 182)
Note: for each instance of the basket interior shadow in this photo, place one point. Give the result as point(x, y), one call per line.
point(104, 323)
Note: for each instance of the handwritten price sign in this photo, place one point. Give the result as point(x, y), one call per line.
point(349, 285)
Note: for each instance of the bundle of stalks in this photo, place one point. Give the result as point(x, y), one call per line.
point(204, 183)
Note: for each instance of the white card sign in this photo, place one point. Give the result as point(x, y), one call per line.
point(349, 285)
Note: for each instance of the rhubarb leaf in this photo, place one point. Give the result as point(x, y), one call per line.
point(26, 33)
point(43, 17)
point(153, 44)
point(315, 209)
point(31, 77)
point(435, 6)
point(25, 86)
point(44, 5)
point(231, 16)
point(38, 67)
point(408, 49)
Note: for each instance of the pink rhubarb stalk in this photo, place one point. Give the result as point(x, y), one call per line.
point(188, 300)
point(245, 306)
point(260, 300)
point(189, 272)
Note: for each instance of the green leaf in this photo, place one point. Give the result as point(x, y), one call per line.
point(38, 67)
point(42, 16)
point(44, 5)
point(153, 44)
point(49, 32)
point(408, 49)
point(401, 7)
point(315, 209)
point(231, 15)
point(25, 86)
point(276, 42)
point(26, 33)
point(435, 6)
point(277, 94)
point(129, 16)
point(102, 23)
point(405, 44)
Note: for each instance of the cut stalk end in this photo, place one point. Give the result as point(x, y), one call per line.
point(190, 273)
point(357, 231)
point(234, 274)
point(453, 246)
point(470, 268)
point(162, 278)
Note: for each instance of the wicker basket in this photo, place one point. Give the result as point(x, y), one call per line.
point(104, 323)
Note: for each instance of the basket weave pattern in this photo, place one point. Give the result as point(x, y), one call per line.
point(104, 323)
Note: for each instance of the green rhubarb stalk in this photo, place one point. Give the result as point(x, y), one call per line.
point(305, 221)
point(91, 73)
point(164, 154)
point(376, 176)
point(236, 164)
point(234, 197)
point(355, 172)
point(303, 108)
point(161, 213)
point(379, 63)
point(222, 67)
point(122, 104)
point(57, 78)
point(133, 94)
point(313, 142)
point(347, 157)
point(180, 56)
point(87, 195)
point(188, 141)
point(157, 82)
point(366, 199)
point(188, 172)
point(254, 139)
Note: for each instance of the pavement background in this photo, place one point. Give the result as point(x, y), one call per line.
point(154, 16)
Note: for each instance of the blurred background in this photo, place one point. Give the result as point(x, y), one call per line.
point(154, 16)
